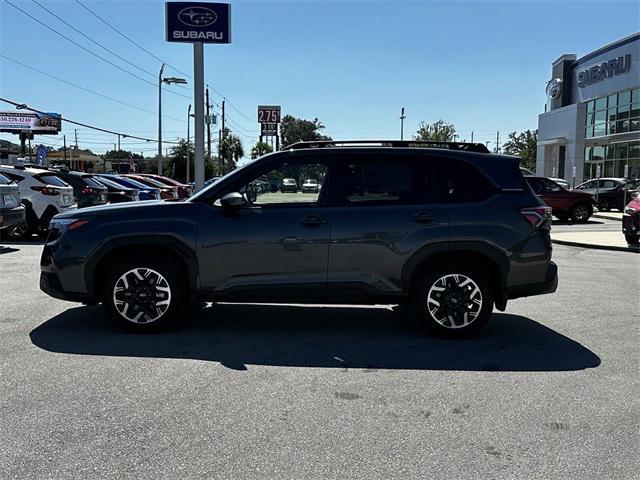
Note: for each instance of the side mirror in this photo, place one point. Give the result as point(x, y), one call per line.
point(232, 201)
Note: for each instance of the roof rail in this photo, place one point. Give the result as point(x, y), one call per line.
point(462, 146)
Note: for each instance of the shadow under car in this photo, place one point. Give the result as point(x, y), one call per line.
point(237, 335)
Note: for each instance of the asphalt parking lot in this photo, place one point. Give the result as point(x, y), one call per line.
point(548, 390)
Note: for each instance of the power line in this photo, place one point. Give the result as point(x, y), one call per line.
point(24, 106)
point(90, 51)
point(87, 89)
point(130, 39)
point(93, 41)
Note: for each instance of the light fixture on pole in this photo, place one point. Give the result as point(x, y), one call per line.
point(168, 81)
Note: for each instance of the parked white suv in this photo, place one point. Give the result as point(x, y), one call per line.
point(43, 194)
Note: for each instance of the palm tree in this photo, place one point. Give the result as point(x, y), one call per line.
point(231, 151)
point(259, 149)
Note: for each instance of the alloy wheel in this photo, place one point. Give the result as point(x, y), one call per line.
point(580, 213)
point(454, 301)
point(141, 295)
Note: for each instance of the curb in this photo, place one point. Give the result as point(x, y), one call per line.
point(607, 217)
point(596, 246)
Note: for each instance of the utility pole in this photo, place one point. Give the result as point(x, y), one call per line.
point(498, 141)
point(222, 136)
point(402, 117)
point(118, 142)
point(198, 99)
point(64, 139)
point(75, 132)
point(188, 136)
point(208, 117)
point(160, 120)
point(471, 136)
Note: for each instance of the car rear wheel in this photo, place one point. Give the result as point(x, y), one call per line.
point(604, 205)
point(581, 213)
point(454, 301)
point(632, 239)
point(143, 294)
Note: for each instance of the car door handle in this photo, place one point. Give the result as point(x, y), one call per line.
point(423, 217)
point(313, 220)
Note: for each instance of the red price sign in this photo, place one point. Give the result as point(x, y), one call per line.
point(268, 113)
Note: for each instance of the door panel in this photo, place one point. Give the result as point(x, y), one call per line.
point(259, 247)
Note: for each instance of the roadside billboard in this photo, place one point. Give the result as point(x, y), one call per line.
point(30, 122)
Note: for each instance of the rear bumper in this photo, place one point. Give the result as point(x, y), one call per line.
point(549, 285)
point(10, 217)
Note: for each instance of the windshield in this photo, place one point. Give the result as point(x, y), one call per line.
point(130, 183)
point(110, 183)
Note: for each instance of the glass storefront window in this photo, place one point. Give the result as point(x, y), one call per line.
point(624, 98)
point(601, 103)
point(612, 100)
point(588, 132)
point(634, 150)
point(634, 126)
point(611, 115)
point(601, 116)
point(635, 110)
point(622, 126)
point(599, 129)
point(635, 95)
point(623, 111)
point(597, 152)
point(590, 106)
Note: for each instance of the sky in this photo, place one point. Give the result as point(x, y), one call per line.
point(480, 65)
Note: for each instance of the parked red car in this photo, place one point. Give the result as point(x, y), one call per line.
point(565, 204)
point(184, 191)
point(166, 192)
point(631, 220)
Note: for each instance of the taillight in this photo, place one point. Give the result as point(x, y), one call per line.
point(46, 190)
point(539, 217)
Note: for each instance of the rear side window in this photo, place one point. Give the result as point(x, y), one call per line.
point(379, 181)
point(13, 176)
point(91, 182)
point(51, 180)
point(4, 180)
point(465, 183)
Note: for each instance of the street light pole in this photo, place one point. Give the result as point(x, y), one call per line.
point(160, 120)
point(402, 117)
point(188, 133)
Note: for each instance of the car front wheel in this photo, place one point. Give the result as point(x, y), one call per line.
point(632, 239)
point(581, 213)
point(143, 294)
point(454, 301)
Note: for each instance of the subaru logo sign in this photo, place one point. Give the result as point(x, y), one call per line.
point(197, 16)
point(198, 22)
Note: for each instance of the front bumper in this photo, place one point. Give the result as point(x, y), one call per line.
point(50, 284)
point(549, 285)
point(10, 217)
point(631, 223)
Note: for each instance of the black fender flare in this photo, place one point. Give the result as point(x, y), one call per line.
point(178, 246)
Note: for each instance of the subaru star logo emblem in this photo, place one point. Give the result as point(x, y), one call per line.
point(554, 88)
point(197, 16)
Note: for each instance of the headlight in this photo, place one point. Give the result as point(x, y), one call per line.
point(58, 226)
point(629, 211)
point(9, 200)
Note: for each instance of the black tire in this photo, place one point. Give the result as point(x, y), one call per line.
point(448, 311)
point(136, 293)
point(19, 232)
point(581, 213)
point(632, 239)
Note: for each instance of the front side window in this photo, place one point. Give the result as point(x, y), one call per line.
point(281, 185)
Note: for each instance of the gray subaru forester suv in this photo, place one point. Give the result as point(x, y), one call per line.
point(448, 228)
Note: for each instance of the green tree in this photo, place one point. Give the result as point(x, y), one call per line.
point(293, 130)
point(230, 151)
point(118, 155)
point(177, 164)
point(523, 145)
point(439, 131)
point(260, 149)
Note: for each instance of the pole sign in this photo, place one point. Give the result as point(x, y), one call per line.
point(30, 122)
point(268, 129)
point(41, 155)
point(205, 22)
point(269, 113)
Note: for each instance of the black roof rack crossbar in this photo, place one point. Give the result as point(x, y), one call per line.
point(463, 146)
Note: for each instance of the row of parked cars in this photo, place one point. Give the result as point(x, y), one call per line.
point(31, 195)
point(603, 194)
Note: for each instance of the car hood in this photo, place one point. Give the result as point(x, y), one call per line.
point(114, 209)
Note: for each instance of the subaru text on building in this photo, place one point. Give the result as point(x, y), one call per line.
point(446, 227)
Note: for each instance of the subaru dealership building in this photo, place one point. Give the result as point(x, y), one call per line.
point(591, 123)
